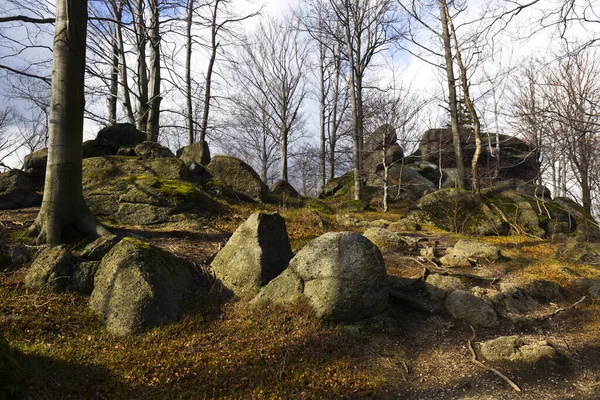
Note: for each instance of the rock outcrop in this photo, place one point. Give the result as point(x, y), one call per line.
point(120, 135)
point(17, 190)
point(148, 150)
point(257, 252)
point(139, 286)
point(237, 176)
point(341, 274)
point(195, 154)
point(284, 188)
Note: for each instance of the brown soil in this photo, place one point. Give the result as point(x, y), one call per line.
point(417, 355)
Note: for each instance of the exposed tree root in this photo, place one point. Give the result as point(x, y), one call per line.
point(481, 365)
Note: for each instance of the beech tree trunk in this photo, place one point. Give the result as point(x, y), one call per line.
point(140, 34)
point(63, 206)
point(155, 99)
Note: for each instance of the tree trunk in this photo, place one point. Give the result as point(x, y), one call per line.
point(470, 106)
point(113, 96)
point(140, 33)
point(155, 98)
point(209, 72)
point(188, 74)
point(63, 206)
point(322, 121)
point(123, 62)
point(283, 152)
point(452, 102)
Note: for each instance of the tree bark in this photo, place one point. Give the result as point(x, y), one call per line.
point(214, 46)
point(470, 106)
point(452, 102)
point(142, 68)
point(63, 206)
point(123, 61)
point(188, 74)
point(155, 98)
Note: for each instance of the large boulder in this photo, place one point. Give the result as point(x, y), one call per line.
point(257, 252)
point(97, 148)
point(12, 385)
point(148, 150)
point(121, 135)
point(464, 305)
point(517, 161)
point(342, 274)
point(381, 146)
point(237, 176)
point(17, 190)
point(465, 251)
point(284, 188)
point(51, 270)
point(139, 286)
point(383, 238)
point(142, 191)
point(197, 153)
point(35, 165)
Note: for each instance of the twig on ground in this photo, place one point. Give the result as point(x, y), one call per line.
point(556, 312)
point(487, 368)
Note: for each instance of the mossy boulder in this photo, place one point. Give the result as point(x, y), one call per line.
point(342, 274)
point(12, 385)
point(142, 191)
point(514, 349)
point(284, 188)
point(257, 252)
point(195, 154)
point(237, 176)
point(383, 238)
point(17, 190)
point(97, 148)
point(51, 270)
point(462, 304)
point(35, 165)
point(120, 135)
point(139, 286)
point(148, 150)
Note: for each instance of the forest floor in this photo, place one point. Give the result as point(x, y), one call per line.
point(221, 348)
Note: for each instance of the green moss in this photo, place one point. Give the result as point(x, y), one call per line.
point(319, 205)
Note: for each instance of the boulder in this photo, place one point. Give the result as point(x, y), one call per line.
point(97, 148)
point(517, 161)
point(195, 154)
point(284, 187)
point(21, 254)
point(138, 286)
point(466, 252)
point(342, 274)
point(142, 191)
point(17, 190)
point(257, 252)
point(12, 384)
point(513, 348)
point(440, 286)
point(120, 135)
point(544, 290)
point(462, 304)
point(82, 280)
point(148, 150)
point(404, 225)
point(237, 176)
point(516, 299)
point(383, 239)
point(51, 270)
point(412, 185)
point(333, 186)
point(96, 250)
point(36, 160)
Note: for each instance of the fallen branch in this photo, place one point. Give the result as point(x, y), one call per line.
point(487, 368)
point(556, 312)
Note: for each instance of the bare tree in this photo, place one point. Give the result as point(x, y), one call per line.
point(270, 70)
point(63, 205)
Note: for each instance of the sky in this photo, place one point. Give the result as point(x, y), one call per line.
point(417, 74)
